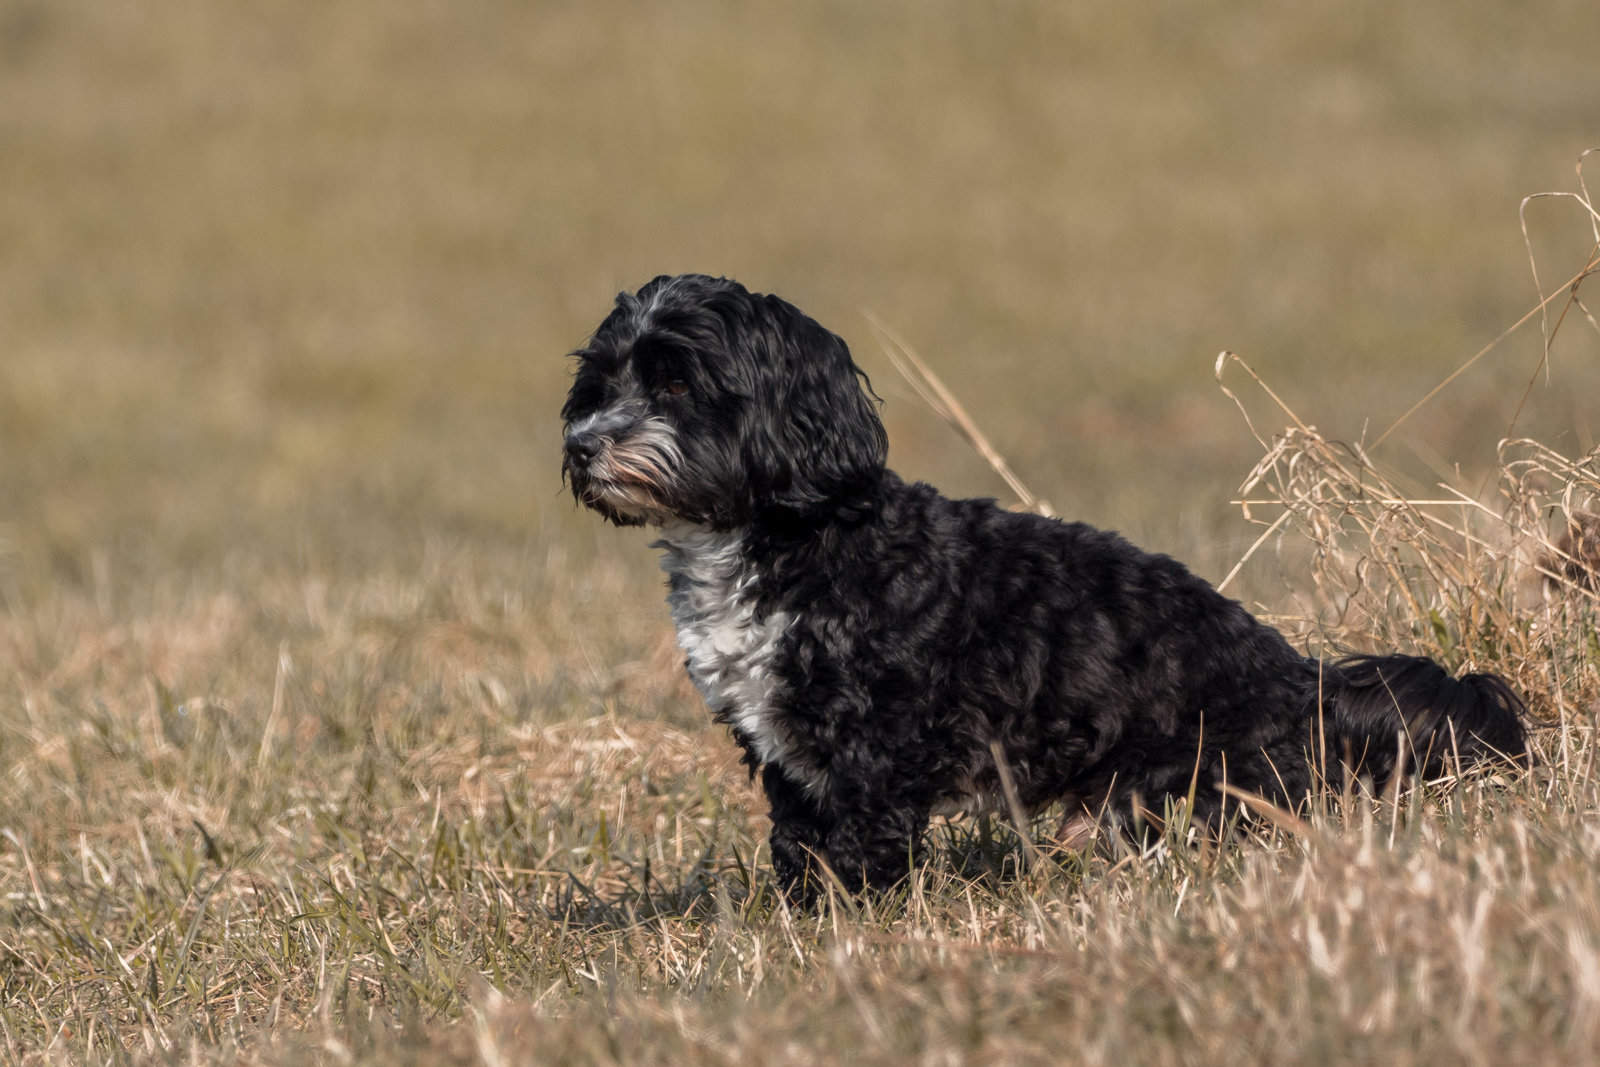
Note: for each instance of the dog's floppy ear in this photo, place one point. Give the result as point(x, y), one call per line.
point(814, 434)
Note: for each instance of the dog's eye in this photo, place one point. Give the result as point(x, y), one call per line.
point(676, 387)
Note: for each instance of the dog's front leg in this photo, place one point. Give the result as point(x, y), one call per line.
point(869, 838)
point(876, 841)
point(799, 832)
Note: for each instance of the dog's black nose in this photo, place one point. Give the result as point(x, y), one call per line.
point(582, 448)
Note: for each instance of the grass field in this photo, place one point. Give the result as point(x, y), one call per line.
point(330, 731)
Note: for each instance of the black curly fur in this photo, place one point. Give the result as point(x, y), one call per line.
point(871, 642)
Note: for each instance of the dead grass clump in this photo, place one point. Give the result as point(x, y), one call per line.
point(1504, 580)
point(1449, 575)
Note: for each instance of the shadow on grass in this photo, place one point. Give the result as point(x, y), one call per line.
point(973, 853)
point(701, 890)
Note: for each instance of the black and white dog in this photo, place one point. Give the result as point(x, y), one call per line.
point(874, 645)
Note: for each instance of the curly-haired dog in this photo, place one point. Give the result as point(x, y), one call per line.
point(873, 645)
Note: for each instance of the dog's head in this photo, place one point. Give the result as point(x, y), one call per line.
point(699, 401)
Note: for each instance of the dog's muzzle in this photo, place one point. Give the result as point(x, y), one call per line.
point(588, 438)
point(622, 463)
point(581, 449)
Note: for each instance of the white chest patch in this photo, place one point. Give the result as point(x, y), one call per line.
point(730, 651)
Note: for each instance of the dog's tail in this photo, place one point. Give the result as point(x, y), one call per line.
point(1378, 706)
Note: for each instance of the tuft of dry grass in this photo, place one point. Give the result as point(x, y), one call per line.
point(1504, 581)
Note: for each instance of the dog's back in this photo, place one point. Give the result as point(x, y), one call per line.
point(1104, 673)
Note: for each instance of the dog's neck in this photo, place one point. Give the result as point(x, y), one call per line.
point(730, 644)
point(705, 567)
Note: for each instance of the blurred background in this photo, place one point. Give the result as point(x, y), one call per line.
point(286, 288)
